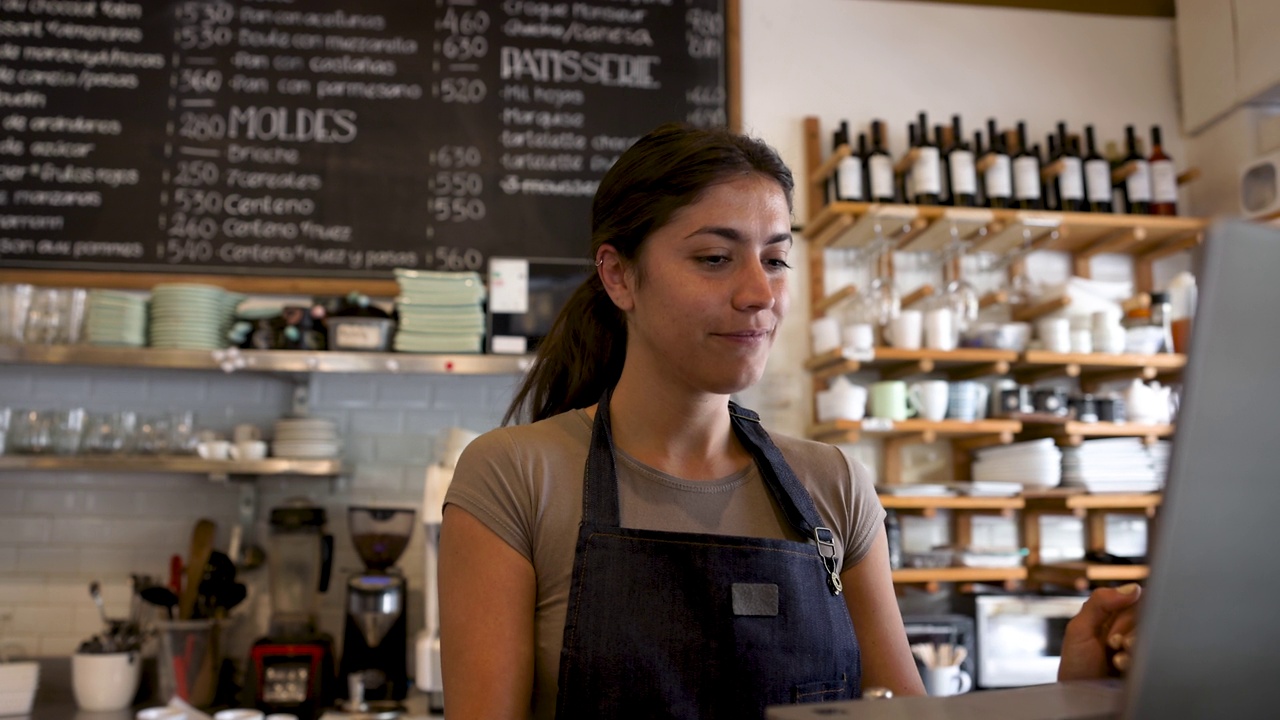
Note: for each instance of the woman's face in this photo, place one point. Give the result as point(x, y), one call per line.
point(713, 288)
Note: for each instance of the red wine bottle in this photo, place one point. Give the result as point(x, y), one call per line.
point(1026, 174)
point(997, 180)
point(1137, 187)
point(926, 172)
point(961, 171)
point(1164, 178)
point(1070, 181)
point(848, 171)
point(1097, 176)
point(880, 166)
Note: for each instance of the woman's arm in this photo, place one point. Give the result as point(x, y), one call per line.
point(487, 595)
point(873, 607)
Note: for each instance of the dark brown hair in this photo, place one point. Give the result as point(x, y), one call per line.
point(661, 173)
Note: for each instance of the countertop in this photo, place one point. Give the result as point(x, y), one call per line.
point(55, 700)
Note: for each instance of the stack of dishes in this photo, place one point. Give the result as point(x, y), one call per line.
point(1114, 465)
point(309, 438)
point(191, 316)
point(440, 312)
point(115, 318)
point(1037, 463)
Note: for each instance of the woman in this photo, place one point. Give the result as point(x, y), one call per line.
point(645, 548)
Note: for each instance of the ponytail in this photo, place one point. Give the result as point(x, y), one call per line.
point(663, 172)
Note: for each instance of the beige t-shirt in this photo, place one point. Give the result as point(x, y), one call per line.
point(525, 484)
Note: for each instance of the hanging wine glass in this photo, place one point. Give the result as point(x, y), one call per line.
point(882, 301)
point(959, 295)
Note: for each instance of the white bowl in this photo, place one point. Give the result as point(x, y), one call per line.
point(104, 682)
point(18, 682)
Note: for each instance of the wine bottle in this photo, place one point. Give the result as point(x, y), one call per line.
point(830, 191)
point(1137, 187)
point(880, 166)
point(1164, 178)
point(1049, 191)
point(979, 198)
point(997, 180)
point(1097, 175)
point(942, 138)
point(1071, 179)
point(1026, 174)
point(906, 183)
point(848, 172)
point(961, 169)
point(926, 172)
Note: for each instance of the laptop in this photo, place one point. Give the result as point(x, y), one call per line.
point(1209, 632)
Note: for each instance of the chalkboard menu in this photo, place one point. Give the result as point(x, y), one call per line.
point(325, 138)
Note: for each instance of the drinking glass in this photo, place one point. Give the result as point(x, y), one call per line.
point(67, 427)
point(153, 434)
point(182, 433)
point(109, 432)
point(72, 314)
point(15, 300)
point(44, 317)
point(31, 431)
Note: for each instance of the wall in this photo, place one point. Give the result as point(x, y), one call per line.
point(854, 59)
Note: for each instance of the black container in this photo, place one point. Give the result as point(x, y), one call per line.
point(1016, 400)
point(1049, 401)
point(1085, 408)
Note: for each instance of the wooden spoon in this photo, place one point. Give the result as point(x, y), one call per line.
point(202, 537)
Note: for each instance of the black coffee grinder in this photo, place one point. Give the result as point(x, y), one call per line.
point(375, 642)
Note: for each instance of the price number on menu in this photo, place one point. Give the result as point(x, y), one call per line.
point(178, 251)
point(195, 173)
point(184, 226)
point(197, 202)
point(704, 34)
point(206, 13)
point(457, 209)
point(466, 91)
point(456, 259)
point(199, 80)
point(461, 48)
point(202, 126)
point(466, 22)
point(203, 37)
point(455, 156)
point(456, 184)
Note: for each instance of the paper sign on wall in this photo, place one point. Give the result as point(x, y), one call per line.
point(508, 285)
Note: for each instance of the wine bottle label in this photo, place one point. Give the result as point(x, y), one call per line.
point(1138, 185)
point(1097, 176)
point(1071, 181)
point(1026, 178)
point(998, 180)
point(881, 172)
point(964, 177)
point(1164, 182)
point(849, 179)
point(926, 173)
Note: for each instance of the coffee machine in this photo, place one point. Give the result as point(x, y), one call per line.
point(292, 667)
point(375, 641)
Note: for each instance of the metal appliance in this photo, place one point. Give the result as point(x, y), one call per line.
point(292, 667)
point(374, 643)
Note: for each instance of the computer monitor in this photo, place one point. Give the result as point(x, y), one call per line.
point(1209, 628)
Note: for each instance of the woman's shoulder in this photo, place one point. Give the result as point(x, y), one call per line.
point(565, 432)
point(819, 461)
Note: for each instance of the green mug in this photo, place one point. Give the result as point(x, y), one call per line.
point(889, 400)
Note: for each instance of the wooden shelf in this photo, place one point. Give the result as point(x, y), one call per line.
point(951, 502)
point(1076, 501)
point(1080, 574)
point(274, 361)
point(847, 431)
point(1072, 432)
point(1097, 367)
point(907, 576)
point(959, 364)
point(182, 464)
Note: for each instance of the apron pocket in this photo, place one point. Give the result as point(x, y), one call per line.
point(821, 691)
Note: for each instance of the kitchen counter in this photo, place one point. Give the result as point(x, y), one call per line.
point(55, 700)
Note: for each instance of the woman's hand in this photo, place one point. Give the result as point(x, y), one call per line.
point(1103, 626)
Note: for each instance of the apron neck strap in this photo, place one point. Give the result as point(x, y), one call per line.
point(600, 484)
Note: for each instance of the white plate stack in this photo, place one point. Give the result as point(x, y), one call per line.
point(1115, 465)
point(191, 316)
point(1037, 463)
point(440, 312)
point(306, 438)
point(115, 318)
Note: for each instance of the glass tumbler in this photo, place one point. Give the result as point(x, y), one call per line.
point(183, 437)
point(31, 431)
point(72, 312)
point(110, 432)
point(15, 301)
point(44, 317)
point(67, 427)
point(153, 434)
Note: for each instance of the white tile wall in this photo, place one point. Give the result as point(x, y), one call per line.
point(58, 531)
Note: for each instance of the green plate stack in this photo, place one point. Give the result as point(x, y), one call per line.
point(191, 316)
point(116, 319)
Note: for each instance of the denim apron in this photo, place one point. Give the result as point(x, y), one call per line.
point(687, 625)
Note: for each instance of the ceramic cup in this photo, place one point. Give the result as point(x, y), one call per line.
point(889, 400)
point(930, 398)
point(965, 400)
point(214, 450)
point(906, 330)
point(1055, 334)
point(947, 681)
point(105, 682)
point(248, 450)
point(824, 335)
point(842, 401)
point(940, 329)
point(860, 337)
point(246, 432)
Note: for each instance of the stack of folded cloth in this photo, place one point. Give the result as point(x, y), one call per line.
point(440, 312)
point(1116, 465)
point(1037, 463)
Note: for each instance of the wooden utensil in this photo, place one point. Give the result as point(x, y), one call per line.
point(202, 537)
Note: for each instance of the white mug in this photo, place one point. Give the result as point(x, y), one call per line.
point(849, 401)
point(214, 450)
point(940, 329)
point(860, 337)
point(946, 681)
point(1081, 341)
point(1055, 334)
point(905, 331)
point(930, 398)
point(249, 450)
point(105, 682)
point(825, 334)
point(246, 432)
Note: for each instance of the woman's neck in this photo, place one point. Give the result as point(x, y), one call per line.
point(684, 434)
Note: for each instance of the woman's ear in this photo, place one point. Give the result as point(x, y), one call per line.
point(617, 276)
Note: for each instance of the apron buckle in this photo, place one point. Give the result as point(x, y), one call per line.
point(827, 551)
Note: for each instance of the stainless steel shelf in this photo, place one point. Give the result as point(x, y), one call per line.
point(276, 361)
point(172, 464)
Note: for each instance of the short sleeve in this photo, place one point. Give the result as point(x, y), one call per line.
point(866, 514)
point(491, 484)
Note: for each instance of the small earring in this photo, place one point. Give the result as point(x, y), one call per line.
point(599, 262)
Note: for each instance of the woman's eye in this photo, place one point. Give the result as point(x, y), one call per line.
point(778, 263)
point(714, 260)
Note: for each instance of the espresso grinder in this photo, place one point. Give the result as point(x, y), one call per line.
point(292, 667)
point(375, 642)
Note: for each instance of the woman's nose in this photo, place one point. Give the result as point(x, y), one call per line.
point(755, 289)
